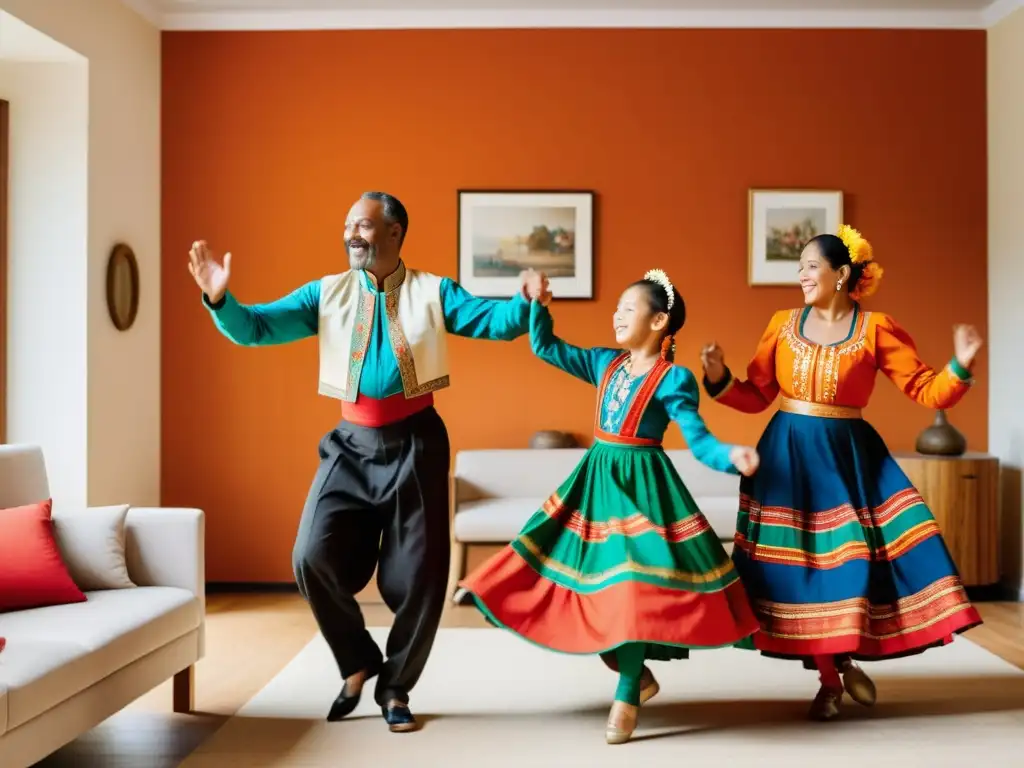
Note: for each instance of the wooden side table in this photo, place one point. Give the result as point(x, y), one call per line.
point(963, 494)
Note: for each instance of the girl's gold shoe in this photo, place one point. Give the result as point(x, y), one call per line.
point(622, 721)
point(649, 687)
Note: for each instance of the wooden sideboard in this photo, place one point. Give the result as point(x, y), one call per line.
point(963, 494)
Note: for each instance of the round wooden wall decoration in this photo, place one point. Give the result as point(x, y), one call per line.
point(122, 286)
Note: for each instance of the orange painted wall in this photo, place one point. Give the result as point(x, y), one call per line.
point(269, 137)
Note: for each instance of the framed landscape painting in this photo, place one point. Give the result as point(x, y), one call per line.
point(501, 233)
point(781, 224)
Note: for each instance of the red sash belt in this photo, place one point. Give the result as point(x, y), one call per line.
point(608, 437)
point(368, 412)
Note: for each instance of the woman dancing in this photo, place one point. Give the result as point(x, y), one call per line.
point(839, 553)
point(620, 561)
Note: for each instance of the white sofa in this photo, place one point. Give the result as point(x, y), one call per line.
point(67, 668)
point(494, 493)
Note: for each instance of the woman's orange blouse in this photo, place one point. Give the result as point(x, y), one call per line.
point(841, 374)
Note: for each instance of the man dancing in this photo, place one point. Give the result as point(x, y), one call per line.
point(380, 496)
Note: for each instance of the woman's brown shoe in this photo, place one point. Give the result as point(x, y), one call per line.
point(826, 704)
point(857, 683)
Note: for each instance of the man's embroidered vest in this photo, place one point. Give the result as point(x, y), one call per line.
point(416, 330)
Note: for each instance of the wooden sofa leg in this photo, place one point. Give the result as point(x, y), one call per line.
point(185, 691)
point(457, 568)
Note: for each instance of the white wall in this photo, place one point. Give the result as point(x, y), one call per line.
point(122, 369)
point(1006, 276)
point(47, 230)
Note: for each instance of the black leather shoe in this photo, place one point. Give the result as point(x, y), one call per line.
point(399, 718)
point(346, 702)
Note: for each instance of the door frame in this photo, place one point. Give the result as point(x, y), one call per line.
point(5, 147)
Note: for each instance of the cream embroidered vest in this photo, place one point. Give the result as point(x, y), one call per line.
point(416, 329)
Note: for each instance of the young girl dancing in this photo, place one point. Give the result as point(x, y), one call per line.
point(620, 561)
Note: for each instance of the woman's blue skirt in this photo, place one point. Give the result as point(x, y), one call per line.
point(837, 549)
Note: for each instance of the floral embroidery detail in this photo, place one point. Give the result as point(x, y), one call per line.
point(816, 367)
point(637, 405)
point(394, 281)
point(643, 398)
point(360, 340)
point(802, 357)
point(828, 370)
point(400, 345)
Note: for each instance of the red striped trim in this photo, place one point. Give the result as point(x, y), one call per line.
point(830, 519)
point(643, 398)
point(841, 555)
point(608, 437)
point(637, 408)
point(635, 524)
point(931, 616)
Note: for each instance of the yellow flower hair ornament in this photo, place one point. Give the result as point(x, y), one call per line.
point(859, 248)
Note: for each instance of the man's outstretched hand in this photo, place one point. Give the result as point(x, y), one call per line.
point(534, 285)
point(210, 275)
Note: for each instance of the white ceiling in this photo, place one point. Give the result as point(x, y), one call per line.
point(188, 6)
point(393, 14)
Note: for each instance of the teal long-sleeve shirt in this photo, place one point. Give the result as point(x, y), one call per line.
point(677, 397)
point(297, 316)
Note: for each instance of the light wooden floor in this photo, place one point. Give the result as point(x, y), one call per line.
point(250, 638)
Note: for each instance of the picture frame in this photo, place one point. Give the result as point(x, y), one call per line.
point(781, 221)
point(502, 232)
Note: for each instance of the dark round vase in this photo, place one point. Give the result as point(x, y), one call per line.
point(549, 438)
point(941, 438)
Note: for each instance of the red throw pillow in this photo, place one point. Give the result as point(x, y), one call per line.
point(32, 571)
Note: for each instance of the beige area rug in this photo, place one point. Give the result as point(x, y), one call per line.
point(489, 699)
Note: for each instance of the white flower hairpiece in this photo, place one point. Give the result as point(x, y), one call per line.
point(661, 278)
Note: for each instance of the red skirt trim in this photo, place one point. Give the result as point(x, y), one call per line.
point(558, 618)
point(938, 632)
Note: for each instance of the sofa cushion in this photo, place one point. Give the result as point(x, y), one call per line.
point(92, 542)
point(3, 709)
point(493, 521)
point(701, 480)
point(54, 653)
point(501, 473)
point(32, 571)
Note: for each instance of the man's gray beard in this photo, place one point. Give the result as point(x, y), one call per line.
point(363, 261)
